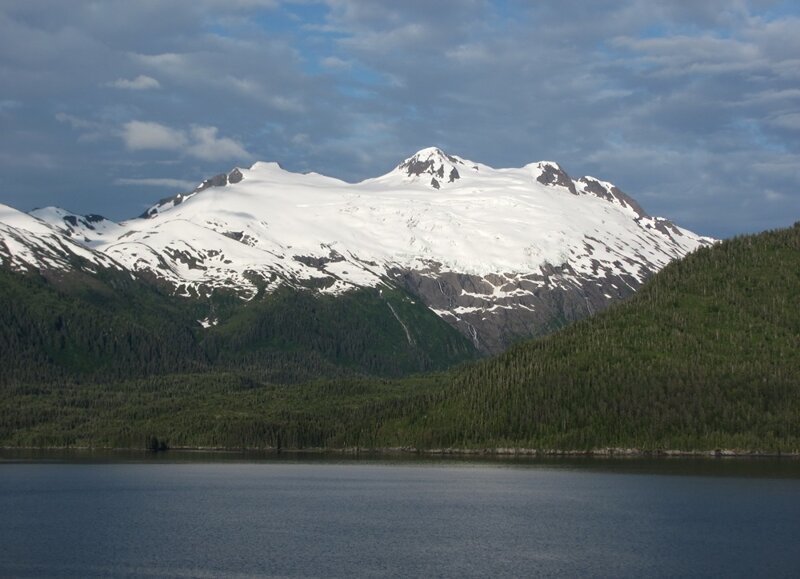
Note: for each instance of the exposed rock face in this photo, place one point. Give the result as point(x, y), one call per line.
point(554, 175)
point(495, 311)
point(610, 193)
point(235, 176)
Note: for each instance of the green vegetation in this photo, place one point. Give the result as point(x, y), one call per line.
point(208, 410)
point(379, 332)
point(705, 356)
point(107, 328)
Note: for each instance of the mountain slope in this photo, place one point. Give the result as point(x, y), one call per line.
point(29, 244)
point(704, 357)
point(104, 327)
point(498, 253)
point(100, 325)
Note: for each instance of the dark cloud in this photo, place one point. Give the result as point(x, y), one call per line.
point(692, 107)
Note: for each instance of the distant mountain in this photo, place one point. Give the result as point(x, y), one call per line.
point(500, 254)
point(29, 244)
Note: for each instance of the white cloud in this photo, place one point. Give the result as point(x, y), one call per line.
point(163, 61)
point(772, 195)
point(387, 41)
point(91, 131)
point(78, 122)
point(29, 159)
point(469, 54)
point(789, 121)
point(261, 92)
point(285, 104)
point(300, 139)
point(141, 82)
point(207, 146)
point(140, 135)
point(336, 63)
point(159, 182)
point(684, 56)
point(8, 104)
point(772, 96)
point(245, 85)
point(201, 142)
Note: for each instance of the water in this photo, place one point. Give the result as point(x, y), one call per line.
point(183, 516)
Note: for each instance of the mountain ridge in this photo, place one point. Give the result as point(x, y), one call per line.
point(500, 254)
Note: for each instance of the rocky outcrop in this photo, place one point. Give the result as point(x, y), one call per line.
point(552, 174)
point(610, 193)
point(498, 310)
point(220, 180)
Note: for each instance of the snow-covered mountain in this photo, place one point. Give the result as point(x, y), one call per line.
point(499, 253)
point(29, 244)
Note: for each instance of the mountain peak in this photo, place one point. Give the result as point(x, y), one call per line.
point(551, 174)
point(432, 161)
point(267, 166)
point(432, 152)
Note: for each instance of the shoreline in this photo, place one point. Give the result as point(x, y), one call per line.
point(499, 452)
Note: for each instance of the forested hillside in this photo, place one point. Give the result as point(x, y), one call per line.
point(78, 326)
point(106, 327)
point(705, 356)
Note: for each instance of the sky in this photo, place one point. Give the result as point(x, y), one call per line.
point(692, 108)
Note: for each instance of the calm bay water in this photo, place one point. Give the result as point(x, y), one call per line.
point(185, 516)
